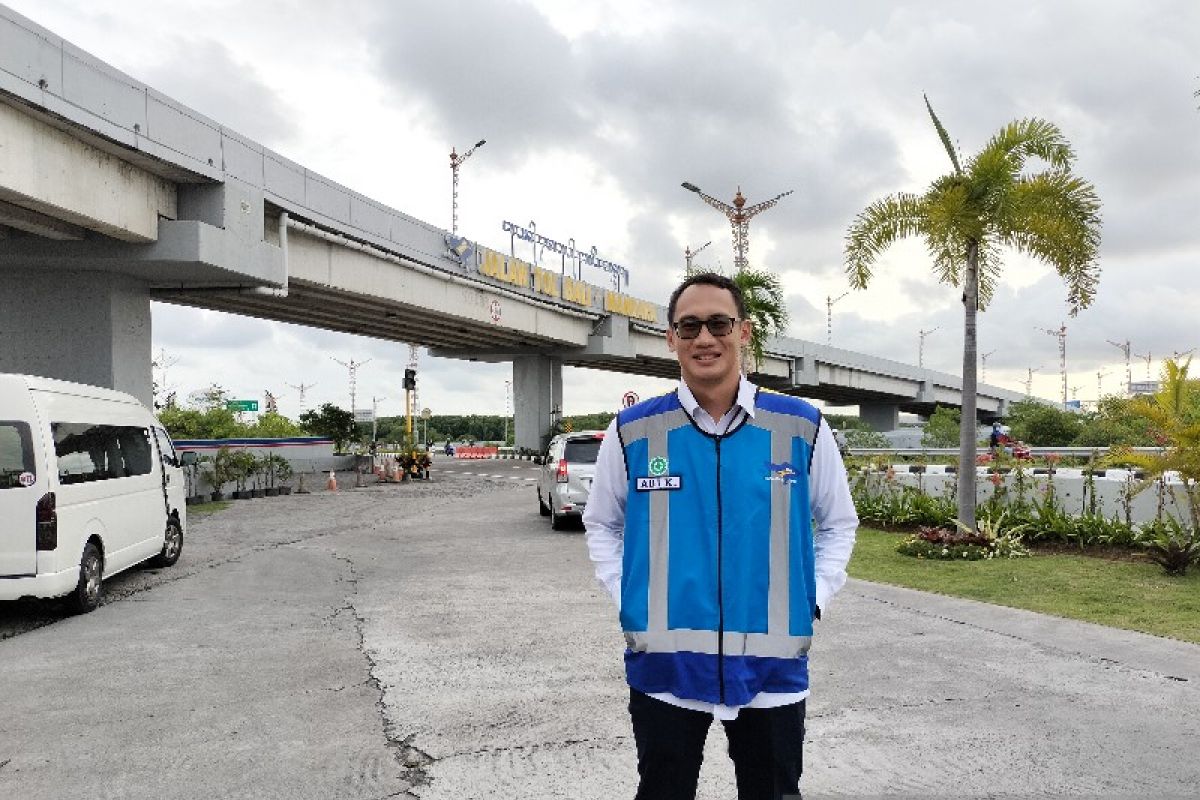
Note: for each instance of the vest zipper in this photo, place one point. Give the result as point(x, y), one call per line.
point(720, 587)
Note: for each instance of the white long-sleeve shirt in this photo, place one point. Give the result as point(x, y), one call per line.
point(829, 495)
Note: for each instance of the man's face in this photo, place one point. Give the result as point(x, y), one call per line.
point(708, 360)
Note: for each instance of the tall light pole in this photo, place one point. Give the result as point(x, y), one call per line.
point(1124, 348)
point(302, 388)
point(829, 301)
point(921, 346)
point(375, 418)
point(983, 361)
point(1099, 390)
point(507, 408)
point(1149, 357)
point(1029, 381)
point(739, 215)
point(456, 161)
point(353, 366)
point(689, 254)
point(1061, 334)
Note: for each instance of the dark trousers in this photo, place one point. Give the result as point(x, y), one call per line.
point(766, 745)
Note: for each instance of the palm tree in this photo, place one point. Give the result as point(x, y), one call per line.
point(766, 309)
point(967, 216)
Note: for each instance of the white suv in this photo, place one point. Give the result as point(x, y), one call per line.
point(565, 481)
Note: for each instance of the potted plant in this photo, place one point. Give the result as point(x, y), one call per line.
point(191, 478)
point(258, 472)
point(282, 471)
point(219, 471)
point(243, 467)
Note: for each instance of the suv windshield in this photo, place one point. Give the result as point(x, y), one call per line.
point(582, 451)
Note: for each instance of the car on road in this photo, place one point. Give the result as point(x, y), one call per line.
point(565, 480)
point(90, 485)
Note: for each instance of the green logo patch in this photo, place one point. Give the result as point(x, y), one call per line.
point(658, 466)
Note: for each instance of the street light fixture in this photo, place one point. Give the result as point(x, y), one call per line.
point(1029, 381)
point(921, 346)
point(1124, 347)
point(829, 301)
point(455, 162)
point(983, 361)
point(689, 254)
point(739, 215)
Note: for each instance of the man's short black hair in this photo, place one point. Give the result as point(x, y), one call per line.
point(708, 279)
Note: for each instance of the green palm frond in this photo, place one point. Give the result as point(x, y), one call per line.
point(945, 137)
point(765, 307)
point(1032, 138)
point(877, 227)
point(1055, 217)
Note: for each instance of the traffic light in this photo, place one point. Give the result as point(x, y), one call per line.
point(410, 379)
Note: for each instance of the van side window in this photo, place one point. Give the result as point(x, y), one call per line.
point(166, 447)
point(16, 454)
point(100, 452)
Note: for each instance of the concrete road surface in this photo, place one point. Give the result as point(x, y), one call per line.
point(438, 640)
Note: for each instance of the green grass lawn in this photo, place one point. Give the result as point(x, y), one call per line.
point(1135, 596)
point(204, 509)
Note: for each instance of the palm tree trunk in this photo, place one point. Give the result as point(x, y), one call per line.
point(966, 441)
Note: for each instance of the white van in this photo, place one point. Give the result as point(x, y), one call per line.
point(89, 486)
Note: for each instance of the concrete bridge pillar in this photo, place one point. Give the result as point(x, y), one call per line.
point(88, 327)
point(880, 416)
point(537, 399)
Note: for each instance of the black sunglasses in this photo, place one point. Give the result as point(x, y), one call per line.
point(717, 326)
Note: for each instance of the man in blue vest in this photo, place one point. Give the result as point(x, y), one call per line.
point(720, 522)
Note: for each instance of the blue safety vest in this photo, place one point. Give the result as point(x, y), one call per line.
point(718, 590)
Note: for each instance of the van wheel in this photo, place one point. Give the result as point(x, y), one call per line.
point(86, 596)
point(543, 509)
point(557, 523)
point(172, 546)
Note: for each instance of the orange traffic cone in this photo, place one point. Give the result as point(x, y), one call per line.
point(397, 473)
point(331, 484)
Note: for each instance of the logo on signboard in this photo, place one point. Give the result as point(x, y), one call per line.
point(26, 479)
point(459, 248)
point(494, 310)
point(629, 399)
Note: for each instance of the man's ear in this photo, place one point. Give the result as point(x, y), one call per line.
point(670, 339)
point(744, 333)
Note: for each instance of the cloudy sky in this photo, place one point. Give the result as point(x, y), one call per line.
point(595, 112)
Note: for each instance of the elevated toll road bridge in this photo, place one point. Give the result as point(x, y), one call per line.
point(113, 194)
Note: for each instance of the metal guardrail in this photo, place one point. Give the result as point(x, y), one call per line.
point(953, 451)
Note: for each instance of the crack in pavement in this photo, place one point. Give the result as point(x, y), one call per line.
point(411, 760)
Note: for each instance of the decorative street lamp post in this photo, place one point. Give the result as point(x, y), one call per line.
point(739, 215)
point(455, 162)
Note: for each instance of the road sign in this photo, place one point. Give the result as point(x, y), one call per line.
point(364, 415)
point(241, 405)
point(426, 413)
point(629, 399)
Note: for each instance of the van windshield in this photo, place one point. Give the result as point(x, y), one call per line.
point(16, 455)
point(581, 451)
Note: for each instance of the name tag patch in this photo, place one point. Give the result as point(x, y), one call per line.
point(659, 483)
